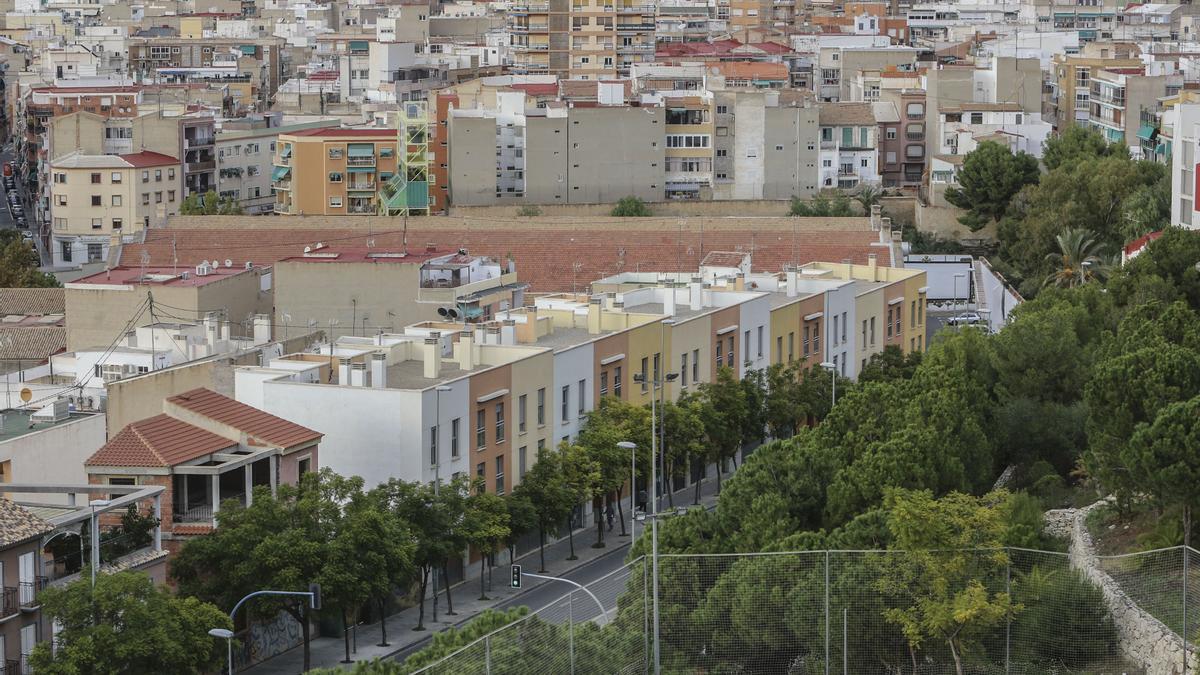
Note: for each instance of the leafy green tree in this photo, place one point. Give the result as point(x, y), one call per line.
point(889, 364)
point(1166, 270)
point(822, 205)
point(1076, 144)
point(952, 549)
point(683, 439)
point(127, 625)
point(991, 175)
point(547, 490)
point(1164, 458)
point(613, 421)
point(1148, 208)
point(1048, 637)
point(784, 409)
point(1080, 258)
point(581, 476)
point(209, 204)
point(19, 264)
point(1040, 355)
point(485, 525)
point(631, 207)
point(724, 410)
point(868, 196)
point(522, 518)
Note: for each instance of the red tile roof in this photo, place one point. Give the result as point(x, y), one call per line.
point(341, 254)
point(545, 254)
point(159, 441)
point(1141, 242)
point(255, 423)
point(330, 133)
point(147, 158)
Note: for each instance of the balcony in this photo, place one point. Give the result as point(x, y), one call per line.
point(282, 208)
point(198, 167)
point(360, 161)
point(634, 27)
point(10, 667)
point(360, 208)
point(914, 137)
point(635, 9)
point(27, 592)
point(8, 602)
point(198, 142)
point(361, 186)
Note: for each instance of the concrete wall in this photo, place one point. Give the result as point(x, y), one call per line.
point(140, 397)
point(382, 294)
point(546, 160)
point(54, 454)
point(603, 171)
point(790, 171)
point(472, 143)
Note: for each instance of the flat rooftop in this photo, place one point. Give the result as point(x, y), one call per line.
point(683, 310)
point(411, 374)
point(156, 276)
point(15, 423)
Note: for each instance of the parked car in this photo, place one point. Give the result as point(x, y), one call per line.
point(965, 319)
point(27, 236)
point(8, 169)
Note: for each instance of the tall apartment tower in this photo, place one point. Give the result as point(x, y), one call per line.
point(582, 39)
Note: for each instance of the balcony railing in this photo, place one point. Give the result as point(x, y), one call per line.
point(8, 602)
point(193, 167)
point(283, 209)
point(360, 161)
point(198, 142)
point(361, 208)
point(27, 591)
point(368, 186)
point(10, 667)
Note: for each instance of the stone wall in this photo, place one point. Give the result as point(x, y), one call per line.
point(1144, 640)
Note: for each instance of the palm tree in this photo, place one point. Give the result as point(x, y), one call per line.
point(1080, 259)
point(868, 196)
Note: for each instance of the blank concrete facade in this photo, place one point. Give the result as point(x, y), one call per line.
point(769, 150)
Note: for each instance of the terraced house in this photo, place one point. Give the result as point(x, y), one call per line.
point(333, 171)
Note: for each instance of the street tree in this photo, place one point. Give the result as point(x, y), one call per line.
point(416, 506)
point(581, 475)
point(127, 624)
point(546, 488)
point(682, 439)
point(19, 264)
point(522, 518)
point(724, 411)
point(990, 176)
point(784, 410)
point(613, 421)
point(485, 525)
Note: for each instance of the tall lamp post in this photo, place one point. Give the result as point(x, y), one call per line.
point(832, 368)
point(632, 448)
point(436, 456)
point(95, 536)
point(227, 635)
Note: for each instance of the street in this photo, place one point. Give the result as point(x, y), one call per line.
point(6, 219)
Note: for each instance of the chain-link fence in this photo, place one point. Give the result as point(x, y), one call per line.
point(993, 612)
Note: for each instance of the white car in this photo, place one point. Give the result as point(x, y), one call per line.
point(965, 319)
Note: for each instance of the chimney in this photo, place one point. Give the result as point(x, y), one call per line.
point(696, 293)
point(593, 315)
point(343, 371)
point(876, 216)
point(793, 285)
point(210, 328)
point(669, 299)
point(872, 267)
point(433, 357)
point(493, 335)
point(225, 330)
point(465, 351)
point(849, 268)
point(358, 374)
point(508, 332)
point(379, 370)
point(262, 329)
point(739, 282)
point(610, 299)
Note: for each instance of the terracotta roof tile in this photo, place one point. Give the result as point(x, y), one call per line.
point(259, 425)
point(32, 344)
point(18, 525)
point(840, 114)
point(32, 301)
point(544, 255)
point(158, 441)
point(723, 259)
point(752, 70)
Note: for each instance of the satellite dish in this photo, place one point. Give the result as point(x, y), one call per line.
point(26, 395)
point(228, 262)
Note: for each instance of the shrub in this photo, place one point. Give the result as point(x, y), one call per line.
point(630, 207)
point(529, 211)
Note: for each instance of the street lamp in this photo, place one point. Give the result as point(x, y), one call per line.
point(227, 635)
point(632, 448)
point(960, 275)
point(832, 368)
point(437, 475)
point(95, 562)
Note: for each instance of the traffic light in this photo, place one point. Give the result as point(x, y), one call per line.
point(516, 576)
point(315, 600)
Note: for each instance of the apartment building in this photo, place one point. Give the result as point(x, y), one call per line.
point(204, 449)
point(849, 156)
point(1068, 101)
point(1183, 121)
point(1120, 96)
point(101, 200)
point(352, 291)
point(149, 54)
point(604, 39)
point(21, 579)
point(328, 171)
point(765, 145)
point(97, 303)
point(245, 151)
point(961, 128)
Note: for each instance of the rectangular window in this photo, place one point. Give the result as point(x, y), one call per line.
point(454, 437)
point(565, 408)
point(683, 369)
point(145, 198)
point(145, 176)
point(603, 383)
point(170, 174)
point(778, 349)
point(792, 345)
point(521, 463)
point(645, 373)
point(731, 364)
point(805, 341)
point(898, 312)
point(499, 422)
point(481, 470)
point(760, 341)
point(745, 343)
point(480, 429)
point(96, 178)
point(817, 338)
point(657, 369)
point(835, 330)
point(889, 322)
point(720, 355)
point(696, 366)
point(117, 223)
point(157, 197)
point(617, 381)
point(844, 323)
point(116, 200)
point(171, 195)
point(541, 407)
point(97, 223)
point(96, 200)
point(433, 449)
point(912, 314)
point(864, 334)
point(158, 175)
point(521, 413)
point(872, 331)
point(582, 396)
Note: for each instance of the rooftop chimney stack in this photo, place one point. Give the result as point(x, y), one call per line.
point(344, 371)
point(379, 370)
point(792, 282)
point(433, 357)
point(358, 374)
point(872, 267)
point(593, 315)
point(669, 299)
point(739, 281)
point(464, 351)
point(508, 332)
point(696, 294)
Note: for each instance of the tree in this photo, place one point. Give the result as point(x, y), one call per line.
point(127, 625)
point(724, 410)
point(545, 488)
point(209, 204)
point(613, 421)
point(19, 264)
point(581, 476)
point(991, 175)
point(1079, 259)
point(630, 207)
point(1148, 208)
point(822, 205)
point(868, 196)
point(891, 363)
point(951, 551)
point(682, 439)
point(1164, 458)
point(485, 525)
point(1077, 143)
point(784, 409)
point(522, 518)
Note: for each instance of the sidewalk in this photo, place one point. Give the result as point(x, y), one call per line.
point(328, 652)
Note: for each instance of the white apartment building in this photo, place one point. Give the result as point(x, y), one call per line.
point(1184, 120)
point(962, 127)
point(849, 152)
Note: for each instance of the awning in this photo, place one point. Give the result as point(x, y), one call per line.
point(286, 152)
point(360, 150)
point(1146, 132)
point(359, 45)
point(280, 172)
point(361, 169)
point(248, 50)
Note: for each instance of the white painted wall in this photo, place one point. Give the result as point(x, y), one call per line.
point(55, 454)
point(755, 315)
point(571, 366)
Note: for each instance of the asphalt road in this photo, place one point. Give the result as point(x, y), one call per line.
point(552, 592)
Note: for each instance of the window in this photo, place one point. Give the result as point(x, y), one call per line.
point(97, 223)
point(731, 352)
point(687, 140)
point(521, 463)
point(171, 195)
point(117, 223)
point(745, 344)
point(844, 322)
point(817, 338)
point(158, 197)
point(145, 198)
point(335, 177)
point(864, 334)
point(722, 109)
point(603, 383)
point(720, 355)
point(499, 422)
point(433, 449)
point(566, 402)
point(657, 369)
point(847, 137)
point(170, 174)
point(480, 429)
point(863, 134)
point(889, 322)
point(912, 314)
point(96, 178)
point(116, 200)
point(158, 175)
point(778, 349)
point(683, 369)
point(95, 252)
point(582, 396)
point(897, 320)
point(335, 202)
point(695, 365)
point(617, 381)
point(60, 178)
point(891, 133)
point(872, 331)
point(481, 470)
point(792, 345)
point(805, 340)
point(645, 373)
point(521, 413)
point(97, 201)
point(454, 437)
point(541, 407)
point(835, 330)
point(65, 250)
point(145, 176)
